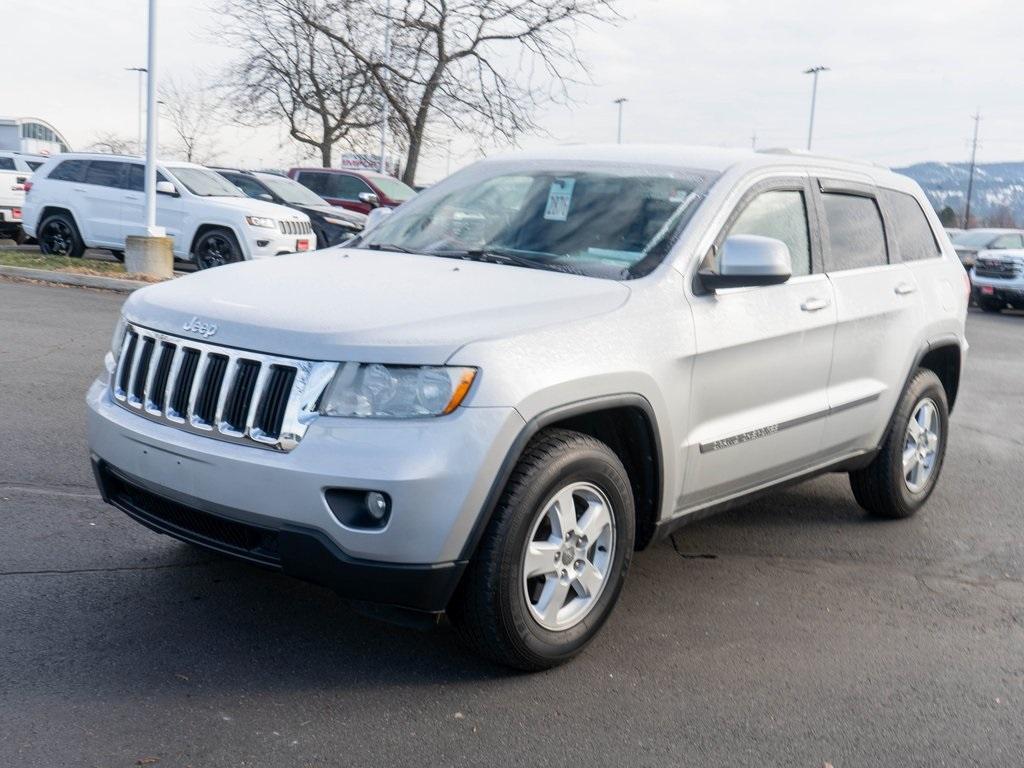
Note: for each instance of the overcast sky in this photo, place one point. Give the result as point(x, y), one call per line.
point(906, 75)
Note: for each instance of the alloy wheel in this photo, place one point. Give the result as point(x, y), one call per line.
point(921, 445)
point(568, 556)
point(57, 238)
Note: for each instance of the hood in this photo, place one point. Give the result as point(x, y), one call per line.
point(355, 219)
point(369, 306)
point(250, 206)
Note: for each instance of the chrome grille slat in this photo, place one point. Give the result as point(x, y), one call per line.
point(244, 380)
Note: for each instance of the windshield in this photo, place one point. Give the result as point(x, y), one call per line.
point(973, 239)
point(608, 220)
point(204, 183)
point(293, 192)
point(394, 189)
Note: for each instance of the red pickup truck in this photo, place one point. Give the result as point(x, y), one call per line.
point(355, 190)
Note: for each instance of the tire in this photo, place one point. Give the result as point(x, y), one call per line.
point(58, 236)
point(884, 488)
point(119, 255)
point(497, 610)
point(321, 239)
point(990, 305)
point(215, 248)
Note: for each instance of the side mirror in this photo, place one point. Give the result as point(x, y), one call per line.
point(375, 217)
point(749, 260)
point(370, 199)
point(166, 188)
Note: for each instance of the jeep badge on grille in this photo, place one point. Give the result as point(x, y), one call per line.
point(200, 327)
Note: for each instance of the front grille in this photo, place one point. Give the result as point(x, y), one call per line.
point(998, 269)
point(296, 227)
point(228, 394)
point(185, 522)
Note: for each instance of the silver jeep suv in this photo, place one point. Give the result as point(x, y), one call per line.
point(488, 402)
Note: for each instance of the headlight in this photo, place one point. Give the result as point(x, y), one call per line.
point(396, 391)
point(261, 221)
point(116, 342)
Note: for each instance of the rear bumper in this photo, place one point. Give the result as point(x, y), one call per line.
point(298, 551)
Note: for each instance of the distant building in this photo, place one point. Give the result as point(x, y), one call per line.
point(32, 135)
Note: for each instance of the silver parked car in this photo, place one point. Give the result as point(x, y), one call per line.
point(488, 402)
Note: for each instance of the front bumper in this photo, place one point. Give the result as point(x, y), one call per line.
point(1008, 290)
point(265, 243)
point(437, 472)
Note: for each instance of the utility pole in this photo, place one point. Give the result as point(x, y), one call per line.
point(814, 98)
point(386, 106)
point(141, 71)
point(620, 101)
point(970, 177)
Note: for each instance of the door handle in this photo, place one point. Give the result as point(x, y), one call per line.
point(814, 304)
point(904, 288)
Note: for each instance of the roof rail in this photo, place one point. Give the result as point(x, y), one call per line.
point(808, 153)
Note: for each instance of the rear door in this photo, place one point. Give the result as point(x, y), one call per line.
point(100, 197)
point(759, 398)
point(878, 315)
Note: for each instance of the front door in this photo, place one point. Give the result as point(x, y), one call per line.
point(759, 397)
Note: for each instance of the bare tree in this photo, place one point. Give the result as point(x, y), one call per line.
point(288, 69)
point(481, 66)
point(112, 144)
point(193, 111)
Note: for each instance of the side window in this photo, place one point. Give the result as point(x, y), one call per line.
point(346, 187)
point(69, 170)
point(781, 214)
point(1006, 241)
point(33, 164)
point(856, 234)
point(314, 181)
point(135, 180)
point(104, 173)
point(7, 164)
point(251, 187)
point(913, 233)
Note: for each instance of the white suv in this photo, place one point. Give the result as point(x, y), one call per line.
point(534, 368)
point(79, 201)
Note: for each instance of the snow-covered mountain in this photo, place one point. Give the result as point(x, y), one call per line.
point(995, 185)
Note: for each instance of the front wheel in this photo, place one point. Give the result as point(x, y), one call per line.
point(903, 474)
point(216, 248)
point(554, 557)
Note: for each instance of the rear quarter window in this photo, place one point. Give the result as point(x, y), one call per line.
point(913, 234)
point(7, 164)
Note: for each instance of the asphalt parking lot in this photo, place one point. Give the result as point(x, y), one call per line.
point(791, 632)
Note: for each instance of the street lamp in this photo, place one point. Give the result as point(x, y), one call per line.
point(814, 97)
point(152, 230)
point(620, 101)
point(141, 71)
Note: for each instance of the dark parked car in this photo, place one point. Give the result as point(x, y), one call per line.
point(359, 191)
point(330, 225)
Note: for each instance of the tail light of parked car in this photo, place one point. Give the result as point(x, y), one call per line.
point(26, 186)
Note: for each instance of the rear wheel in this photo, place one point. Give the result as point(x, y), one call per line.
point(58, 236)
point(215, 248)
point(119, 255)
point(553, 559)
point(903, 474)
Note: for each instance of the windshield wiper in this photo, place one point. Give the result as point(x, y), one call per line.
point(391, 247)
point(509, 258)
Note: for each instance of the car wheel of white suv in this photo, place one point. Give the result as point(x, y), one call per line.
point(58, 236)
point(554, 557)
point(216, 248)
point(903, 474)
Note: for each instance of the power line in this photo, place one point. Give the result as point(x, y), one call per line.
point(970, 176)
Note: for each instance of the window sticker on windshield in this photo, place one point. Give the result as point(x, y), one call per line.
point(559, 199)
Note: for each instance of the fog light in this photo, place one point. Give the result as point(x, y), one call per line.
point(262, 243)
point(377, 505)
point(359, 509)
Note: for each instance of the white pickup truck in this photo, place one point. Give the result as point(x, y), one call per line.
point(15, 170)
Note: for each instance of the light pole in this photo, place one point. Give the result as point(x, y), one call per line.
point(448, 170)
point(385, 107)
point(620, 101)
point(141, 71)
point(152, 230)
point(814, 97)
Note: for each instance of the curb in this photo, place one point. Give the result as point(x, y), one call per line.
point(70, 278)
